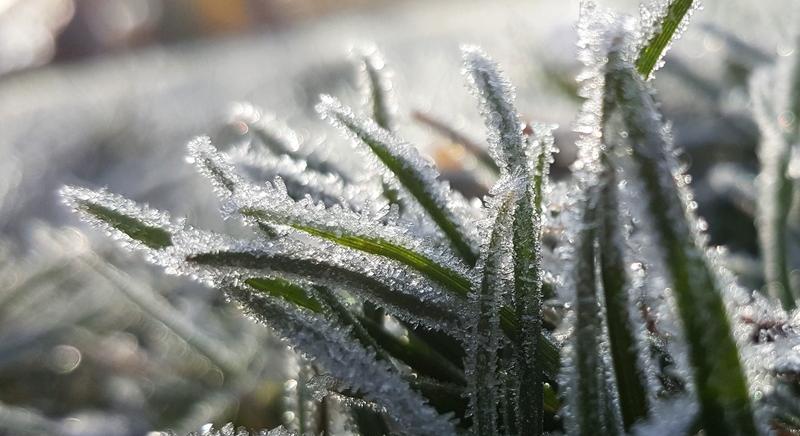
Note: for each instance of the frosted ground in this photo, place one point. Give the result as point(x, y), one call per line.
point(123, 123)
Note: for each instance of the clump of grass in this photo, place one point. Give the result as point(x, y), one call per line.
point(456, 337)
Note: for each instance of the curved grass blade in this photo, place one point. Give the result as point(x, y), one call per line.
point(449, 132)
point(456, 282)
point(272, 206)
point(676, 13)
point(383, 291)
point(415, 174)
point(631, 378)
point(453, 280)
point(718, 376)
point(113, 212)
point(377, 87)
point(486, 342)
point(285, 289)
point(496, 95)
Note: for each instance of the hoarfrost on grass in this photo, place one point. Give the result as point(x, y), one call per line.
point(410, 173)
point(331, 348)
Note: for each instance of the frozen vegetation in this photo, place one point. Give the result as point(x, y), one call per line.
point(593, 300)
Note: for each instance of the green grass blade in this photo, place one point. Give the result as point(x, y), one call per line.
point(528, 279)
point(370, 287)
point(416, 353)
point(118, 214)
point(346, 317)
point(496, 97)
point(652, 52)
point(277, 287)
point(631, 378)
point(451, 133)
point(454, 281)
point(377, 87)
point(151, 236)
point(590, 397)
point(412, 172)
point(413, 352)
point(720, 382)
point(486, 342)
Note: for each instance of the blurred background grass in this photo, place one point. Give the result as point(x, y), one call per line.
point(107, 92)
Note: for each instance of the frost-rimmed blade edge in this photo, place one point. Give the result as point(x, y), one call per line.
point(717, 372)
point(654, 49)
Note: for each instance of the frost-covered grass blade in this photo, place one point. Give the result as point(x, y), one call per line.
point(496, 268)
point(717, 372)
point(110, 210)
point(528, 280)
point(591, 406)
point(416, 175)
point(664, 28)
point(383, 293)
point(348, 362)
point(630, 376)
point(496, 97)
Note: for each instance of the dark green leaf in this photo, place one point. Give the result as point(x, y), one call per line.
point(151, 236)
